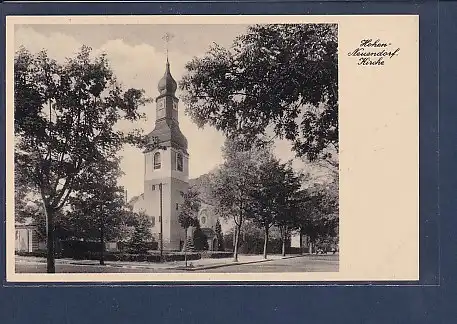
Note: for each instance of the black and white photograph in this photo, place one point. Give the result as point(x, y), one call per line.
point(157, 154)
point(212, 148)
point(171, 148)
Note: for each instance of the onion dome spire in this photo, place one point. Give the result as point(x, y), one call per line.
point(167, 85)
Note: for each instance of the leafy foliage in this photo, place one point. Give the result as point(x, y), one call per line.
point(200, 240)
point(283, 77)
point(235, 180)
point(318, 213)
point(99, 211)
point(220, 236)
point(203, 185)
point(252, 239)
point(65, 118)
point(187, 217)
point(274, 200)
point(253, 186)
point(142, 236)
point(31, 210)
point(188, 210)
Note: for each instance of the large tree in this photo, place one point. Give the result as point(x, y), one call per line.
point(287, 201)
point(234, 181)
point(99, 211)
point(318, 213)
point(308, 202)
point(266, 195)
point(279, 77)
point(65, 118)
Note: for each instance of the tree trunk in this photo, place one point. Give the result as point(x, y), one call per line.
point(265, 243)
point(102, 242)
point(50, 244)
point(237, 241)
point(284, 241)
point(301, 241)
point(310, 247)
point(185, 246)
point(234, 236)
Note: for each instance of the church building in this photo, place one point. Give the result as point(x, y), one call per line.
point(166, 171)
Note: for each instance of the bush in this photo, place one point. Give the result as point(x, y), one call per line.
point(76, 249)
point(250, 244)
point(200, 240)
point(141, 237)
point(133, 257)
point(216, 254)
point(38, 254)
point(181, 257)
point(126, 247)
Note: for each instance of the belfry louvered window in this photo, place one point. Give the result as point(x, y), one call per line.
point(157, 162)
point(179, 162)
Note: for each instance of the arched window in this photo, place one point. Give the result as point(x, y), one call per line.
point(157, 163)
point(203, 217)
point(179, 162)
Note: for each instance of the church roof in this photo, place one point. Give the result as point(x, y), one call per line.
point(166, 130)
point(169, 135)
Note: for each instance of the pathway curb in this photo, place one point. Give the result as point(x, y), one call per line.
point(215, 266)
point(179, 268)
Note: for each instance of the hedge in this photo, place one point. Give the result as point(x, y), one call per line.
point(119, 256)
point(38, 253)
point(216, 254)
point(130, 257)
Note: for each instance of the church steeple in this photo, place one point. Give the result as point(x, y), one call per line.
point(167, 85)
point(166, 128)
point(166, 171)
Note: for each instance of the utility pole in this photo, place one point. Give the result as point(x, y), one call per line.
point(160, 220)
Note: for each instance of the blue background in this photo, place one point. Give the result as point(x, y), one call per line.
point(428, 301)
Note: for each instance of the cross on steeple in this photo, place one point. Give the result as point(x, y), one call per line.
point(167, 38)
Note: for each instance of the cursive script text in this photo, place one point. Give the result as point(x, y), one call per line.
point(374, 52)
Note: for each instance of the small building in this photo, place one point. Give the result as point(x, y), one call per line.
point(208, 220)
point(212, 238)
point(295, 241)
point(27, 237)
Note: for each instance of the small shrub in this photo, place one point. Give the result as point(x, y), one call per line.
point(217, 254)
point(200, 239)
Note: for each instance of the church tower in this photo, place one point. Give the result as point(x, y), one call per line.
point(166, 171)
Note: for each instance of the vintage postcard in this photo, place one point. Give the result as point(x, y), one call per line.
point(212, 148)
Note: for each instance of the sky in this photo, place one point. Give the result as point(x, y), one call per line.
point(137, 57)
